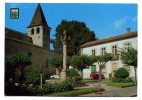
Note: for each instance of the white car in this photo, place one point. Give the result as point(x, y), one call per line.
point(55, 76)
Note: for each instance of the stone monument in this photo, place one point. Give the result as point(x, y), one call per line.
point(64, 42)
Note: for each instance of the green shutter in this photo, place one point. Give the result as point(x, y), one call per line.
point(93, 69)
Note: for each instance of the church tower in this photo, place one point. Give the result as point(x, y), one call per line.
point(39, 29)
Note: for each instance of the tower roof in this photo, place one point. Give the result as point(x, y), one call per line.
point(38, 18)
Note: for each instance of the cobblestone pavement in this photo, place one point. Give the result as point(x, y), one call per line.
point(111, 91)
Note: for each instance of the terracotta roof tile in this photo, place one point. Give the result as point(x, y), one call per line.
point(111, 39)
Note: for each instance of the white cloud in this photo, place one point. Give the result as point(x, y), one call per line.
point(118, 23)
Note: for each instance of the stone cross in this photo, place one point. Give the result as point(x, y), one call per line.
point(64, 42)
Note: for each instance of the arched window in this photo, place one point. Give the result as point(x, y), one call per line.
point(32, 31)
point(38, 31)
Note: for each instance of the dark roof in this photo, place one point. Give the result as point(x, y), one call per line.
point(17, 35)
point(111, 39)
point(38, 18)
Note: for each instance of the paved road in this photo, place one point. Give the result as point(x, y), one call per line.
point(112, 91)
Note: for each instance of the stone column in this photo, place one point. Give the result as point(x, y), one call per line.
point(64, 70)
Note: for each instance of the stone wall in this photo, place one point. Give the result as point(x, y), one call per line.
point(39, 55)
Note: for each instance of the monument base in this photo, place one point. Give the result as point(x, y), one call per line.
point(63, 75)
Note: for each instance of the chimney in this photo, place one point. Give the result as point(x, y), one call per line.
point(128, 30)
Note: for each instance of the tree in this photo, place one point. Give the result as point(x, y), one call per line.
point(101, 61)
point(81, 62)
point(57, 62)
point(20, 60)
point(129, 58)
point(79, 34)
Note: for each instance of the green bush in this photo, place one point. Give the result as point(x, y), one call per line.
point(72, 72)
point(67, 85)
point(118, 80)
point(122, 80)
point(32, 75)
point(121, 73)
point(129, 79)
point(48, 88)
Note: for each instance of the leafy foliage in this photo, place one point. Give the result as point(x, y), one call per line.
point(121, 76)
point(57, 62)
point(32, 75)
point(72, 72)
point(121, 80)
point(81, 62)
point(102, 59)
point(129, 57)
point(121, 73)
point(66, 85)
point(79, 34)
point(19, 60)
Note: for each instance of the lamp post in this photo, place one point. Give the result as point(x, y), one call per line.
point(64, 42)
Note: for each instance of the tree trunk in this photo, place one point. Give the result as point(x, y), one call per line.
point(100, 70)
point(22, 73)
point(81, 73)
point(135, 76)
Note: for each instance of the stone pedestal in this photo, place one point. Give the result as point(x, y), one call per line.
point(63, 75)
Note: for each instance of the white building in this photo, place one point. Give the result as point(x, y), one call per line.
point(109, 45)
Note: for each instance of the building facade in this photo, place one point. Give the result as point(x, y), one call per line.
point(110, 45)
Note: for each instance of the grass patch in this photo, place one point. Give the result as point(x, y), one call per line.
point(109, 83)
point(88, 80)
point(76, 92)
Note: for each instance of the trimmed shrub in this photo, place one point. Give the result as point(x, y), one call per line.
point(48, 88)
point(121, 73)
point(129, 79)
point(67, 85)
point(118, 80)
point(32, 75)
point(121, 80)
point(72, 72)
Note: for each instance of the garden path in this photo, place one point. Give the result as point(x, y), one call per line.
point(111, 91)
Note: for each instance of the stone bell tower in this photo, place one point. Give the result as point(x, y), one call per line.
point(39, 29)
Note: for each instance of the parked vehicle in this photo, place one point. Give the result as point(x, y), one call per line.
point(96, 75)
point(55, 76)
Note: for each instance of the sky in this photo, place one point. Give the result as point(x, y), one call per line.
point(104, 19)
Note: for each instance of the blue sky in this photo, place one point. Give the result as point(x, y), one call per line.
point(104, 19)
